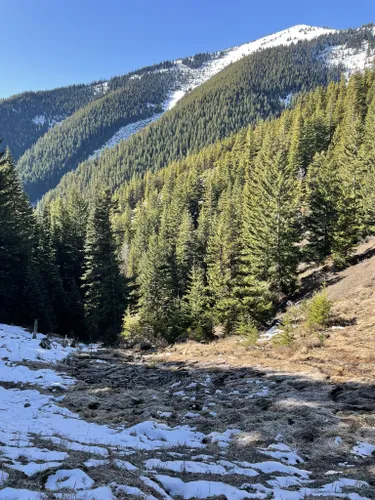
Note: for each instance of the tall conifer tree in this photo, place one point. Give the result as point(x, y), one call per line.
point(103, 285)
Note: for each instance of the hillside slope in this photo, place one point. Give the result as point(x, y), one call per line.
point(26, 117)
point(258, 86)
point(348, 353)
point(134, 100)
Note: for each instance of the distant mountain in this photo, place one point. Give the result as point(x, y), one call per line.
point(105, 113)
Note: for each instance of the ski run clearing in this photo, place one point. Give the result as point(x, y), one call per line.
point(48, 451)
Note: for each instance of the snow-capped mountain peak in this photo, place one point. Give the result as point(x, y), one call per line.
point(222, 59)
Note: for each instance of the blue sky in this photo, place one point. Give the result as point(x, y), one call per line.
point(50, 43)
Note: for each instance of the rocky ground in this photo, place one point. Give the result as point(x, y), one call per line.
point(218, 420)
point(104, 424)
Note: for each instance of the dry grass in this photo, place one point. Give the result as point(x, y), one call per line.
point(317, 391)
point(348, 353)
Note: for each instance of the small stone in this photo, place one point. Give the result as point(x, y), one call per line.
point(93, 405)
point(136, 401)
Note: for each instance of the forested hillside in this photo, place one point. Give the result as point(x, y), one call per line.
point(217, 238)
point(26, 117)
point(245, 92)
point(64, 146)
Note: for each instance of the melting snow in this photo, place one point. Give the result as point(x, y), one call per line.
point(17, 344)
point(363, 449)
point(352, 59)
point(282, 452)
point(26, 413)
point(74, 479)
point(124, 133)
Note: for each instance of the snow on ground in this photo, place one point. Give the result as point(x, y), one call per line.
point(124, 133)
point(23, 375)
point(282, 452)
point(38, 436)
point(364, 449)
point(353, 59)
point(270, 333)
point(18, 345)
point(41, 120)
point(188, 78)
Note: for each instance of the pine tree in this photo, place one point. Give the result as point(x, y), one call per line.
point(197, 304)
point(55, 314)
point(367, 168)
point(185, 251)
point(68, 220)
point(103, 285)
point(345, 159)
point(320, 215)
point(222, 258)
point(296, 151)
point(159, 307)
point(16, 246)
point(271, 218)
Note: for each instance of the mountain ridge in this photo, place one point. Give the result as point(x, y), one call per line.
point(135, 100)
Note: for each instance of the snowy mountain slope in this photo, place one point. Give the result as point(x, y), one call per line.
point(221, 60)
point(189, 78)
point(186, 78)
point(296, 59)
point(352, 59)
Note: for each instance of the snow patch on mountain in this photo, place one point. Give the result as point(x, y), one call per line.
point(353, 60)
point(195, 77)
point(39, 120)
point(51, 122)
point(100, 88)
point(173, 99)
point(124, 133)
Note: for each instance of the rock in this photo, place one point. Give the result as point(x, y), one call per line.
point(144, 346)
point(93, 405)
point(195, 406)
point(136, 401)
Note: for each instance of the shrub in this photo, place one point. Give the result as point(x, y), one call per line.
point(248, 331)
point(289, 322)
point(319, 311)
point(131, 326)
point(286, 337)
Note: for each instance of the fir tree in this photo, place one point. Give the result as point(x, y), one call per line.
point(159, 307)
point(345, 159)
point(103, 285)
point(271, 219)
point(197, 304)
point(16, 246)
point(320, 215)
